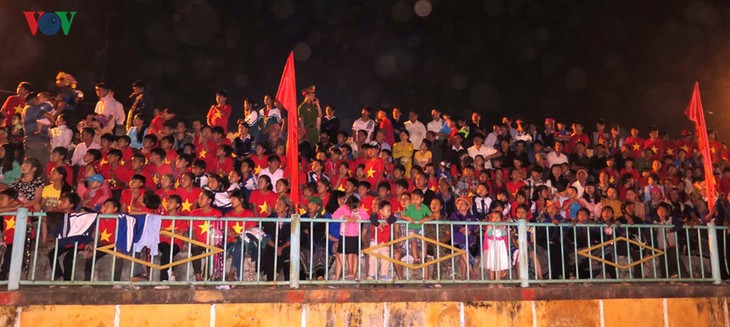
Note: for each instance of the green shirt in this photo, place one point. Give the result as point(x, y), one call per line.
point(416, 214)
point(308, 113)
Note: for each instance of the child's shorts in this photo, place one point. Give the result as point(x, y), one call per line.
point(349, 245)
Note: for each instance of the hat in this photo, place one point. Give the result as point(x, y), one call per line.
point(581, 170)
point(656, 190)
point(686, 132)
point(316, 200)
point(463, 199)
point(95, 178)
point(549, 121)
point(309, 89)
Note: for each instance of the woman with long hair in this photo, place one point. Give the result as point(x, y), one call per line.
point(30, 184)
point(137, 131)
point(10, 163)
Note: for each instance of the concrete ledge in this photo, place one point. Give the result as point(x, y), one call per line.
point(469, 293)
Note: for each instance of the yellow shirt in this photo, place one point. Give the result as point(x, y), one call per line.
point(422, 159)
point(51, 195)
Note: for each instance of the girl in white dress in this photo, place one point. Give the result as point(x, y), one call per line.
point(496, 248)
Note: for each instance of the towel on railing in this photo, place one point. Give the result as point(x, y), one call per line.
point(138, 232)
point(125, 232)
point(150, 235)
point(77, 227)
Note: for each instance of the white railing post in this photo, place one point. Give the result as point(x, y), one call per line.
point(523, 252)
point(714, 254)
point(294, 249)
point(16, 260)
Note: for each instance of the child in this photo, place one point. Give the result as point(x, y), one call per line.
point(417, 213)
point(132, 198)
point(96, 192)
point(349, 244)
point(496, 249)
point(170, 247)
point(48, 113)
point(381, 233)
point(66, 204)
point(105, 235)
point(222, 198)
point(219, 112)
point(202, 228)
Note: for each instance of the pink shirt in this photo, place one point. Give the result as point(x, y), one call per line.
point(350, 229)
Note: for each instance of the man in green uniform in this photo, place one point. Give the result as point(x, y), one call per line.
point(310, 114)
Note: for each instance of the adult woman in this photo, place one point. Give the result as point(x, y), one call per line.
point(137, 132)
point(30, 184)
point(447, 196)
point(10, 165)
point(403, 152)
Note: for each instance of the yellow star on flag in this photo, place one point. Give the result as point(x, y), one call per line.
point(340, 188)
point(238, 228)
point(611, 180)
point(257, 170)
point(167, 161)
point(121, 162)
point(18, 109)
point(713, 150)
point(685, 148)
point(217, 114)
point(670, 152)
point(204, 227)
point(164, 203)
point(187, 205)
point(103, 162)
point(264, 208)
point(371, 172)
point(202, 154)
point(155, 179)
point(432, 188)
point(302, 211)
point(654, 149)
point(106, 236)
point(637, 147)
point(10, 223)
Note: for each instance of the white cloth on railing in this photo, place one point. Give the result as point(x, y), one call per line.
point(77, 227)
point(150, 236)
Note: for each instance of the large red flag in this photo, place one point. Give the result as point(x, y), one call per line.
point(695, 113)
point(287, 96)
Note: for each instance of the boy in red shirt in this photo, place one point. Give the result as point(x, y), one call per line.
point(188, 193)
point(131, 198)
point(105, 234)
point(382, 222)
point(14, 103)
point(235, 229)
point(218, 113)
point(201, 228)
point(159, 122)
point(170, 247)
point(59, 157)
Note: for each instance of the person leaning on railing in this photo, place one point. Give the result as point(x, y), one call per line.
point(666, 239)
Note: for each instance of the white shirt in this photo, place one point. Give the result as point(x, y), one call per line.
point(417, 133)
point(252, 118)
point(108, 106)
point(485, 152)
point(579, 187)
point(80, 151)
point(491, 140)
point(275, 176)
point(368, 126)
point(61, 137)
point(554, 158)
point(435, 126)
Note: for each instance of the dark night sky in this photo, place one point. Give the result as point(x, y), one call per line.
point(632, 62)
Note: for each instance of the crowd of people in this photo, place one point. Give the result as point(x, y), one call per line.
point(388, 168)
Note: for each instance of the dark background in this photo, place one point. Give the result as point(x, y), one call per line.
point(631, 62)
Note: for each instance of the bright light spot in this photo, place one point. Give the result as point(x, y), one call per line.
point(423, 8)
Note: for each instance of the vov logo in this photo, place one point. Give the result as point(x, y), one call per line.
point(49, 22)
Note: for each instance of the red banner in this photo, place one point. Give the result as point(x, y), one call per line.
point(695, 113)
point(287, 96)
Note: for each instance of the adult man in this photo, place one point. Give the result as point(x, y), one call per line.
point(108, 107)
point(398, 121)
point(87, 142)
point(14, 103)
point(364, 123)
point(330, 124)
point(273, 171)
point(488, 153)
point(416, 129)
point(557, 157)
point(141, 102)
point(36, 141)
point(385, 126)
point(310, 114)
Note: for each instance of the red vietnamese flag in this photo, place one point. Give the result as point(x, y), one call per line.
point(695, 113)
point(287, 96)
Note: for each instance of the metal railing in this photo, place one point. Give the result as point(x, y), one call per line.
point(303, 251)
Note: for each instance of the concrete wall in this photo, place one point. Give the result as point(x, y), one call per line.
point(603, 313)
